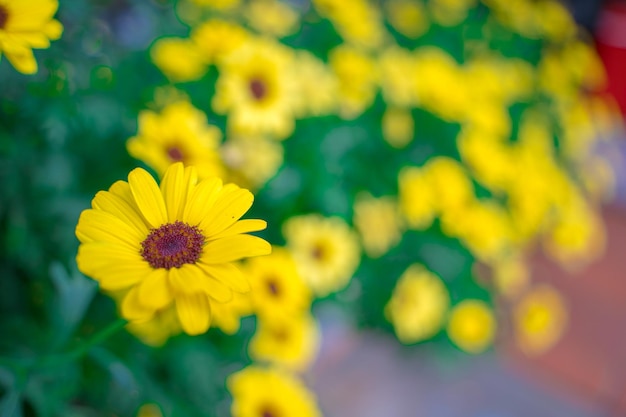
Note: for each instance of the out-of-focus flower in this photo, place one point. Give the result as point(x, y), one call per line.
point(149, 410)
point(282, 394)
point(218, 4)
point(472, 326)
point(418, 306)
point(156, 331)
point(408, 17)
point(397, 79)
point(540, 318)
point(216, 38)
point(451, 181)
point(257, 89)
point(251, 161)
point(326, 251)
point(24, 26)
point(227, 316)
point(272, 17)
point(317, 83)
point(398, 127)
point(289, 340)
point(179, 133)
point(178, 58)
point(416, 198)
point(378, 222)
point(358, 78)
point(510, 275)
point(173, 245)
point(277, 287)
point(450, 12)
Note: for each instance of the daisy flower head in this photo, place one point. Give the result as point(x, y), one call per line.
point(25, 25)
point(326, 251)
point(179, 133)
point(169, 245)
point(282, 394)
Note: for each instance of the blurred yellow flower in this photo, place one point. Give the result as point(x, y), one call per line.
point(289, 340)
point(179, 59)
point(277, 287)
point(378, 222)
point(450, 12)
point(170, 245)
point(358, 22)
point(450, 180)
point(179, 133)
point(218, 4)
point(217, 38)
point(257, 89)
point(358, 77)
point(156, 331)
point(326, 251)
point(540, 318)
point(416, 198)
point(149, 410)
point(251, 161)
point(317, 83)
point(408, 17)
point(398, 127)
point(282, 394)
point(397, 76)
point(472, 326)
point(24, 26)
point(418, 306)
point(227, 316)
point(272, 17)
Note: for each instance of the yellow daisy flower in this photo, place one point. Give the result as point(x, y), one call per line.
point(178, 58)
point(282, 394)
point(277, 287)
point(257, 89)
point(326, 251)
point(540, 318)
point(418, 306)
point(378, 222)
point(25, 25)
point(179, 133)
point(169, 245)
point(472, 326)
point(288, 340)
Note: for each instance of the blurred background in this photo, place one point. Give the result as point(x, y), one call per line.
point(65, 133)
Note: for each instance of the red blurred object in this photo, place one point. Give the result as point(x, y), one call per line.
point(611, 45)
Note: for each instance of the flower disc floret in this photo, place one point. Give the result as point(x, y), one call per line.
point(172, 245)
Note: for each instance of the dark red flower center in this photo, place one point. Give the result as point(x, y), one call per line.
point(273, 287)
point(4, 16)
point(175, 154)
point(172, 245)
point(268, 411)
point(258, 89)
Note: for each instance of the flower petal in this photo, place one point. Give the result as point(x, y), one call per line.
point(227, 274)
point(22, 59)
point(133, 310)
point(190, 279)
point(201, 200)
point(148, 197)
point(194, 313)
point(242, 226)
point(121, 208)
point(175, 187)
point(233, 248)
point(113, 266)
point(229, 207)
point(100, 226)
point(154, 290)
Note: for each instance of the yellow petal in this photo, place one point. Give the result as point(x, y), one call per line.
point(175, 187)
point(119, 207)
point(100, 226)
point(233, 248)
point(154, 290)
point(113, 266)
point(133, 310)
point(148, 197)
point(201, 200)
point(22, 59)
point(240, 227)
point(53, 29)
point(228, 274)
point(190, 279)
point(228, 208)
point(194, 313)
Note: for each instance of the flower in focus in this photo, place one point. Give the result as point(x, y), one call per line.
point(169, 245)
point(540, 318)
point(288, 340)
point(418, 306)
point(378, 222)
point(277, 287)
point(179, 59)
point(227, 316)
point(179, 133)
point(256, 89)
point(24, 26)
point(325, 249)
point(471, 326)
point(282, 394)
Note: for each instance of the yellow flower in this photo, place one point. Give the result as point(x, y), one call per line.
point(540, 319)
point(277, 287)
point(217, 38)
point(156, 331)
point(169, 245)
point(282, 394)
point(326, 251)
point(227, 316)
point(408, 17)
point(417, 199)
point(257, 89)
point(180, 133)
point(450, 12)
point(418, 306)
point(378, 222)
point(450, 180)
point(398, 127)
point(272, 17)
point(251, 161)
point(397, 79)
point(149, 410)
point(179, 59)
point(317, 84)
point(357, 21)
point(358, 77)
point(25, 25)
point(472, 326)
point(287, 340)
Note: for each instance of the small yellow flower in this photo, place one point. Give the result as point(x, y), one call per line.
point(416, 197)
point(397, 76)
point(227, 316)
point(170, 245)
point(179, 133)
point(289, 340)
point(217, 38)
point(357, 21)
point(179, 59)
point(272, 17)
point(282, 394)
point(418, 306)
point(408, 17)
point(24, 26)
point(398, 127)
point(149, 410)
point(317, 83)
point(450, 12)
point(378, 222)
point(472, 326)
point(540, 318)
point(326, 251)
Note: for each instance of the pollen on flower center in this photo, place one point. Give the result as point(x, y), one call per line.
point(172, 245)
point(4, 16)
point(258, 89)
